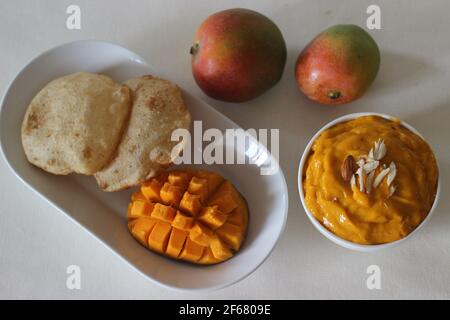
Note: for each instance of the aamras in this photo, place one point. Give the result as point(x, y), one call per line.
point(370, 180)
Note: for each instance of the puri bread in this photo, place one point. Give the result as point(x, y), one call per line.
point(145, 150)
point(75, 123)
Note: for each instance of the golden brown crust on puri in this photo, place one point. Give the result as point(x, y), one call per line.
point(145, 149)
point(74, 124)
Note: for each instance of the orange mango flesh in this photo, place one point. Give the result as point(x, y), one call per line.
point(373, 218)
point(195, 216)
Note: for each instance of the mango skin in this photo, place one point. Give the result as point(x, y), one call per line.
point(338, 65)
point(237, 55)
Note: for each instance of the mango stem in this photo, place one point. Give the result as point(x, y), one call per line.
point(334, 94)
point(194, 49)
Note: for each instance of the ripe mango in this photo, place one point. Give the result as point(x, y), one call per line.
point(338, 65)
point(195, 216)
point(237, 55)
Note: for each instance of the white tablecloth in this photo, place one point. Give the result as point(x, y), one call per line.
point(37, 242)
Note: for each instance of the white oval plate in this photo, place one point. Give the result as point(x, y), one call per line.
point(104, 214)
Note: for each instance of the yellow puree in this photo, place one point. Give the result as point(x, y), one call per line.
point(375, 218)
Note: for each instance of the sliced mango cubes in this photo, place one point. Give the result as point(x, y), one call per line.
point(195, 216)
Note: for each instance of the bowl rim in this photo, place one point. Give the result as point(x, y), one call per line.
point(327, 233)
point(137, 56)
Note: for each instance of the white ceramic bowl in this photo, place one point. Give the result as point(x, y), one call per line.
point(103, 214)
point(327, 233)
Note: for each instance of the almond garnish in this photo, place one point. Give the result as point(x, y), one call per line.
point(370, 156)
point(361, 174)
point(361, 162)
point(392, 190)
point(370, 166)
point(367, 168)
point(392, 173)
point(380, 177)
point(347, 168)
point(369, 182)
point(380, 150)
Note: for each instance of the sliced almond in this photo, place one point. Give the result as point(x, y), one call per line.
point(369, 182)
point(392, 173)
point(348, 167)
point(361, 175)
point(361, 162)
point(380, 150)
point(370, 156)
point(353, 181)
point(392, 190)
point(380, 177)
point(370, 166)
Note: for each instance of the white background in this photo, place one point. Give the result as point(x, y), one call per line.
point(37, 242)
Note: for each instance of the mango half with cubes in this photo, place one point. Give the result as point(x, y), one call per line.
point(195, 216)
